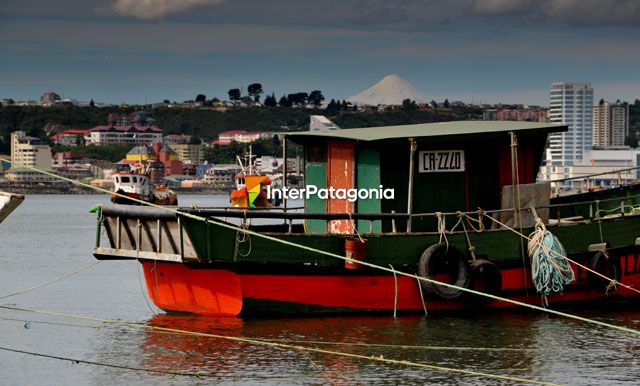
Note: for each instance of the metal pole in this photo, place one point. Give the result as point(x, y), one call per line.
point(284, 171)
point(514, 180)
point(412, 150)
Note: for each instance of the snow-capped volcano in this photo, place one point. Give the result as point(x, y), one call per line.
point(391, 90)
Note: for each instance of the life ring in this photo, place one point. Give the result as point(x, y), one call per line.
point(604, 265)
point(443, 259)
point(485, 278)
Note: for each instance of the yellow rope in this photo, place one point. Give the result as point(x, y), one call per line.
point(50, 281)
point(102, 364)
point(285, 340)
point(364, 263)
point(611, 281)
point(374, 358)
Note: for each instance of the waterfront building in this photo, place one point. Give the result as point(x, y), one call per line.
point(610, 124)
point(50, 98)
point(161, 158)
point(115, 135)
point(21, 175)
point(241, 136)
point(189, 153)
point(70, 137)
point(30, 151)
point(320, 122)
point(615, 166)
point(221, 174)
point(138, 118)
point(490, 115)
point(531, 114)
point(570, 104)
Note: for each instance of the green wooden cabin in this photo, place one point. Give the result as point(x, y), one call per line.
point(459, 165)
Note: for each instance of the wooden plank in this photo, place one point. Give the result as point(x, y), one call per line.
point(340, 175)
point(368, 177)
point(128, 254)
point(316, 174)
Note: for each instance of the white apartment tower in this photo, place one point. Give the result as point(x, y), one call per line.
point(610, 124)
point(570, 104)
point(29, 151)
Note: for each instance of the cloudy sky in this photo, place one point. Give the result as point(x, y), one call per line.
point(471, 50)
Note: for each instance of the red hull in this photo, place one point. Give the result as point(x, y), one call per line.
point(178, 288)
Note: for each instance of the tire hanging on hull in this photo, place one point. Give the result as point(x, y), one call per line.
point(605, 265)
point(485, 278)
point(442, 257)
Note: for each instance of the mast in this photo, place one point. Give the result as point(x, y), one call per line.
point(412, 150)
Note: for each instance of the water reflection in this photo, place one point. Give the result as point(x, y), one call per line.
point(375, 336)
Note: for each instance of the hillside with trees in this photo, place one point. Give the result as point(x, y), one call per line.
point(207, 123)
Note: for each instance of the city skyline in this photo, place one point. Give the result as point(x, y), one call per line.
point(490, 51)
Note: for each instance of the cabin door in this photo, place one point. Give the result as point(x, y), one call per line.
point(340, 165)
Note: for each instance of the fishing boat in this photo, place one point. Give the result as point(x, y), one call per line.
point(456, 203)
point(136, 183)
point(8, 203)
point(250, 189)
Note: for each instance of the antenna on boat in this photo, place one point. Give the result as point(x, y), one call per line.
point(250, 159)
point(240, 162)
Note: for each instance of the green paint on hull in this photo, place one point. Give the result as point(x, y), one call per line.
point(402, 250)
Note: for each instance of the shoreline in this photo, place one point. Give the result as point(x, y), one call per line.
point(78, 190)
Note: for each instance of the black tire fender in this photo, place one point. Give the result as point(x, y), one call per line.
point(486, 278)
point(605, 265)
point(439, 257)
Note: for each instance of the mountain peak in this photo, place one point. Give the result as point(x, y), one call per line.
point(391, 90)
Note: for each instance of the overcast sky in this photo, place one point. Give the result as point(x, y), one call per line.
point(472, 50)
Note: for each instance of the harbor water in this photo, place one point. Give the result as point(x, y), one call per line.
point(52, 235)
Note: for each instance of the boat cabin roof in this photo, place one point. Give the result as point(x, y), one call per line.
point(439, 130)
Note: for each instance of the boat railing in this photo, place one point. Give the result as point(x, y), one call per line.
point(587, 179)
point(590, 211)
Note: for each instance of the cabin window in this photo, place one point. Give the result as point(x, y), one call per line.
point(124, 180)
point(318, 152)
point(135, 180)
point(118, 180)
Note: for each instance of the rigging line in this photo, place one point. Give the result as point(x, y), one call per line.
point(611, 281)
point(285, 340)
point(102, 364)
point(365, 263)
point(142, 291)
point(284, 346)
point(50, 281)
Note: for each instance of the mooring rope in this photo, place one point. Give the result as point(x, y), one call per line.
point(285, 346)
point(50, 281)
point(286, 340)
point(611, 281)
point(550, 269)
point(395, 297)
point(424, 304)
point(103, 364)
point(364, 263)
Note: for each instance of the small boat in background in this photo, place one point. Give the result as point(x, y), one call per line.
point(8, 203)
point(137, 184)
point(250, 187)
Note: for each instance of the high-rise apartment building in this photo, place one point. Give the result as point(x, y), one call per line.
point(610, 124)
point(570, 104)
point(30, 151)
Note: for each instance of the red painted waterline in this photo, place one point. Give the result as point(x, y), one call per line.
point(176, 287)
